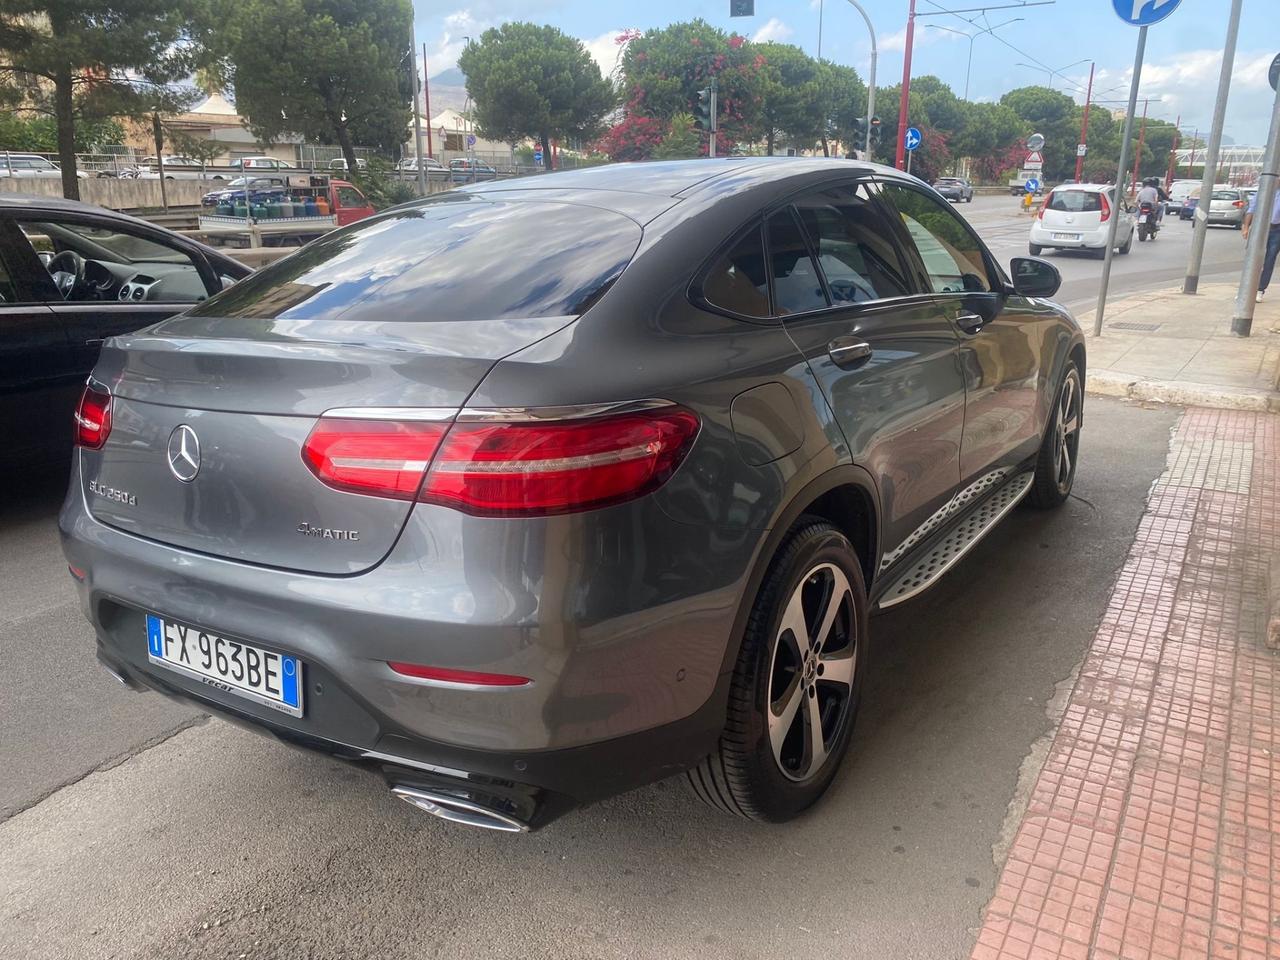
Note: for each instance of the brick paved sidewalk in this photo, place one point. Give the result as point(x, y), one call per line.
point(1153, 829)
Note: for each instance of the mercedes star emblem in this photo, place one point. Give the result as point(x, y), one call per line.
point(184, 453)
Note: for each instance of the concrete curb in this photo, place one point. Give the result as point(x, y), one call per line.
point(1185, 393)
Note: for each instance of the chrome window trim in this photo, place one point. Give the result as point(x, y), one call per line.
point(574, 412)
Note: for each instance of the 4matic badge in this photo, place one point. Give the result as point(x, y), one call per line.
point(327, 533)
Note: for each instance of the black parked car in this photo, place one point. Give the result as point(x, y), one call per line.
point(955, 188)
point(72, 275)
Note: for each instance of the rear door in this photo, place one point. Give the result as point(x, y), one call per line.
point(884, 352)
point(1000, 337)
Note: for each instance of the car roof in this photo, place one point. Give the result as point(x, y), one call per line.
point(1086, 187)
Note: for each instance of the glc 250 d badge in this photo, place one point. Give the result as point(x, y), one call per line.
point(111, 493)
point(183, 453)
point(327, 533)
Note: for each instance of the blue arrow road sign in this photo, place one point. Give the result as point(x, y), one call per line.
point(1143, 13)
point(537, 156)
point(471, 139)
point(913, 138)
point(1032, 185)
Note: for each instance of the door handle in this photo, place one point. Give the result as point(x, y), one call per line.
point(95, 342)
point(848, 352)
point(970, 322)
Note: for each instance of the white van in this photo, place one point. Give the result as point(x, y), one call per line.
point(1179, 190)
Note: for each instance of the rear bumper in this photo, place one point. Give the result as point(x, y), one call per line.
point(621, 618)
point(1089, 239)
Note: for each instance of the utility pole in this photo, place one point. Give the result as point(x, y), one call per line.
point(417, 112)
point(1084, 125)
point(1191, 160)
point(1142, 139)
point(1264, 203)
point(871, 77)
point(1173, 151)
point(1201, 221)
point(904, 100)
point(426, 98)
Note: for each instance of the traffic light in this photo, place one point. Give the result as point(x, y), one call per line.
point(875, 130)
point(859, 132)
point(742, 8)
point(703, 112)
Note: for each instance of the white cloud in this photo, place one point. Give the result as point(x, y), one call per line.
point(449, 45)
point(898, 39)
point(606, 51)
point(774, 30)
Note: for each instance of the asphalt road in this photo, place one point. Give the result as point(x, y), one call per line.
point(1150, 266)
point(131, 828)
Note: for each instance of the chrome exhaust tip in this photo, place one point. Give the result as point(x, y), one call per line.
point(455, 809)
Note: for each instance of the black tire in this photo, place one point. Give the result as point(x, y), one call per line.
point(1128, 244)
point(1052, 486)
point(1035, 249)
point(745, 776)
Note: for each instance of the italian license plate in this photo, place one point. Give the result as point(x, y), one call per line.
point(1066, 236)
point(233, 666)
point(1142, 218)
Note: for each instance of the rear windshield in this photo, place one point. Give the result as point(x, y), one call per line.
point(457, 257)
point(1226, 195)
point(1075, 201)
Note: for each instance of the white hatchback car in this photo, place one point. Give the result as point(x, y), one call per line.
point(1077, 216)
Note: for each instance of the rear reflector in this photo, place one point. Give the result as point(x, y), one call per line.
point(469, 677)
point(505, 469)
point(93, 418)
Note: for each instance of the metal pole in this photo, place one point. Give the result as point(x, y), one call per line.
point(417, 113)
point(1264, 203)
point(1191, 160)
point(1201, 222)
point(1122, 170)
point(1173, 151)
point(969, 67)
point(1142, 139)
point(904, 99)
point(909, 153)
point(426, 98)
point(871, 78)
point(819, 29)
point(1084, 124)
point(711, 145)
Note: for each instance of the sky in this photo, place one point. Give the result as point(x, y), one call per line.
point(1183, 57)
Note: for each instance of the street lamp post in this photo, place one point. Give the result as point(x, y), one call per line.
point(1084, 126)
point(871, 77)
point(971, 37)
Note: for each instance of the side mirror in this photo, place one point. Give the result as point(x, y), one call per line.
point(1033, 277)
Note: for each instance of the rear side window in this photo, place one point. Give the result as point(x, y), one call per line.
point(1075, 201)
point(797, 287)
point(460, 257)
point(739, 282)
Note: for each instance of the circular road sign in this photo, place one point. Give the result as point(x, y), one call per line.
point(471, 139)
point(1035, 141)
point(1032, 185)
point(1274, 74)
point(1143, 13)
point(913, 139)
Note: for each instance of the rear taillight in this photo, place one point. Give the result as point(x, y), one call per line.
point(1044, 205)
point(1237, 204)
point(497, 468)
point(93, 418)
point(381, 458)
point(1106, 207)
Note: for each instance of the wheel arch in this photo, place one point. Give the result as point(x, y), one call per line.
point(846, 497)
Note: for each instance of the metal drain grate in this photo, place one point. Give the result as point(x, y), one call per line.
point(1132, 325)
point(957, 543)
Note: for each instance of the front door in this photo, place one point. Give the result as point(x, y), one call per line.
point(884, 352)
point(1000, 336)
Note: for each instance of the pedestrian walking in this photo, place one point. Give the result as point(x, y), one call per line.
point(1273, 242)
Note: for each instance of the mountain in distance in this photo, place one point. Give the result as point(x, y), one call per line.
point(448, 90)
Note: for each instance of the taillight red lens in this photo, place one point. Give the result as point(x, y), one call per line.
point(502, 468)
point(542, 468)
point(380, 458)
point(93, 418)
point(1044, 205)
point(1238, 203)
point(1106, 207)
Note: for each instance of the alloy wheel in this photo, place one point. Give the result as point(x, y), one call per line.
point(811, 674)
point(1066, 430)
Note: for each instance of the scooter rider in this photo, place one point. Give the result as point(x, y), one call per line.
point(1153, 194)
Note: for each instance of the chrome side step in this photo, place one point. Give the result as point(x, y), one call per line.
point(962, 538)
